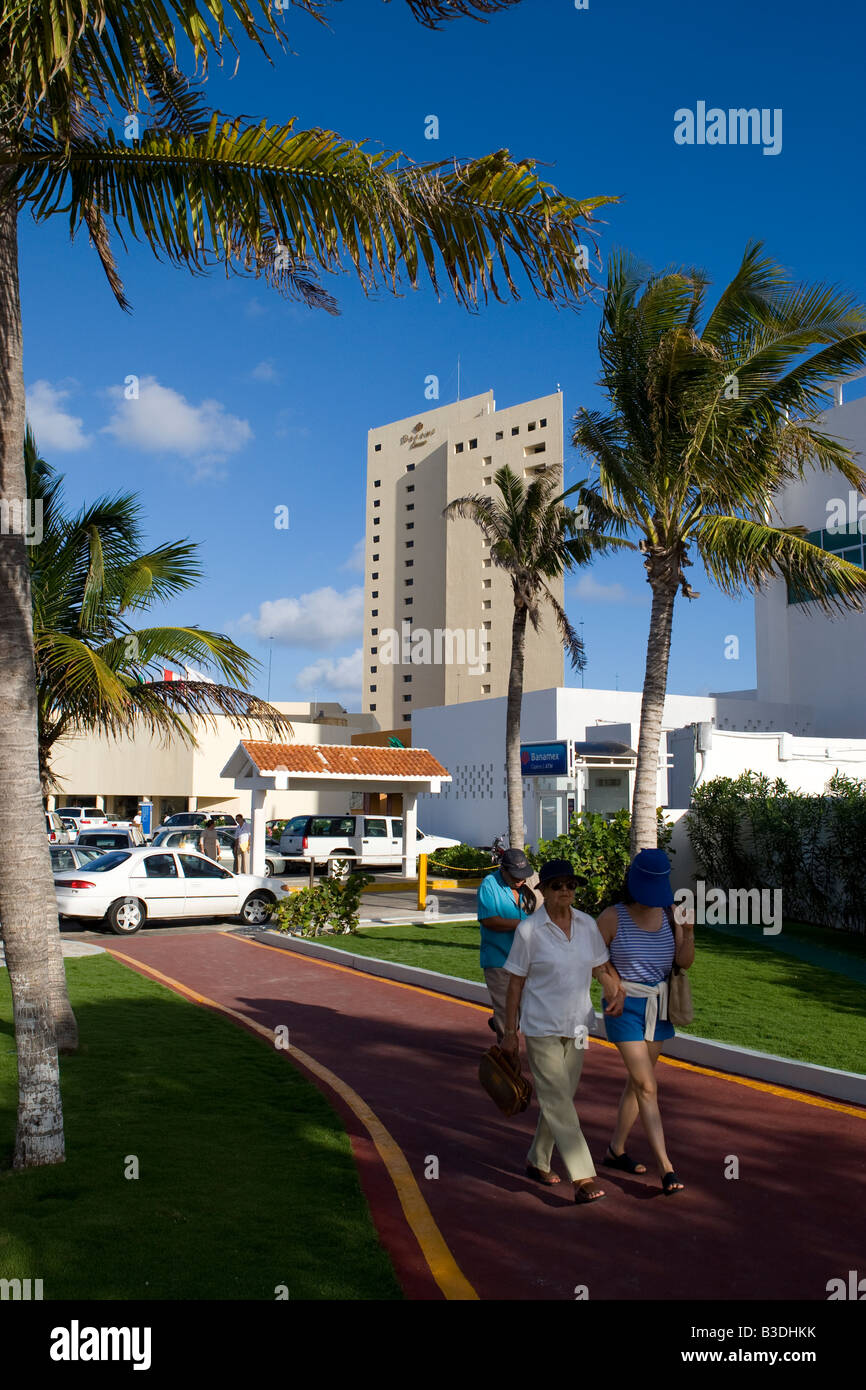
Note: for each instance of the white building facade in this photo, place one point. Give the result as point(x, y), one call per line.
point(803, 655)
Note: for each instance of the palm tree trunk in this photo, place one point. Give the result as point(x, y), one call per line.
point(644, 818)
point(27, 905)
point(513, 775)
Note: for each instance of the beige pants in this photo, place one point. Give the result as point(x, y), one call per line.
point(496, 978)
point(556, 1065)
point(242, 860)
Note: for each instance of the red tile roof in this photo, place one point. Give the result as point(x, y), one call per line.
point(344, 760)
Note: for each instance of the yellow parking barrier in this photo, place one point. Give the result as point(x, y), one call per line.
point(422, 882)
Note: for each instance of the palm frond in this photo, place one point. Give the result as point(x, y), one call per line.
point(222, 197)
point(738, 553)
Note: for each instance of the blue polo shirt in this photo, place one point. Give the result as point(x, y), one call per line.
point(496, 899)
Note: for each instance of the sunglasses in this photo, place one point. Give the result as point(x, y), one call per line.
point(559, 884)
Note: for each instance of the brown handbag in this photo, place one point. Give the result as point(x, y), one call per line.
point(504, 1082)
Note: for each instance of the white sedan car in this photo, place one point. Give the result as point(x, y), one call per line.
point(126, 887)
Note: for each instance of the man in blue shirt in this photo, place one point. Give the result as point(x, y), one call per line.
point(504, 899)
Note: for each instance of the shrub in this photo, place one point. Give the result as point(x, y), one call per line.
point(462, 857)
point(597, 847)
point(329, 905)
point(749, 830)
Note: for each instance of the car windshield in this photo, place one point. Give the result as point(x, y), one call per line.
point(296, 825)
point(107, 861)
point(86, 853)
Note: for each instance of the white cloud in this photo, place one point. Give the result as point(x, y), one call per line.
point(323, 618)
point(355, 561)
point(590, 589)
point(162, 421)
point(342, 676)
point(265, 371)
point(54, 427)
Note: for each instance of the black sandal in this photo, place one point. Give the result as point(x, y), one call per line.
point(622, 1162)
point(668, 1183)
point(584, 1195)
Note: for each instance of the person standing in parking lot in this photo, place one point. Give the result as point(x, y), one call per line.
point(243, 832)
point(504, 899)
point(210, 845)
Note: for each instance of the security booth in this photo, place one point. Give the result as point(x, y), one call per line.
point(568, 776)
point(260, 767)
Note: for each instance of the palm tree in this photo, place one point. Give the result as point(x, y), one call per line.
point(536, 538)
point(706, 425)
point(94, 670)
point(202, 190)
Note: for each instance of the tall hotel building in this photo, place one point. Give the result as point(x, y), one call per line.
point(428, 575)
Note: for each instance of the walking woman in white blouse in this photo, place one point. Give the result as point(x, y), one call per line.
point(554, 954)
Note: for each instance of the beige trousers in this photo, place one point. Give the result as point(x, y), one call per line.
point(242, 860)
point(556, 1065)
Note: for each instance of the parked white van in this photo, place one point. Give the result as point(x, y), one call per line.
point(369, 841)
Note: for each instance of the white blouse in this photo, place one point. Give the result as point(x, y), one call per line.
point(555, 1000)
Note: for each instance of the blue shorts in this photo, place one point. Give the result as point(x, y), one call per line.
point(629, 1026)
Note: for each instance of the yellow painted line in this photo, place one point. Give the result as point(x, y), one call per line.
point(785, 1092)
point(442, 1264)
point(443, 883)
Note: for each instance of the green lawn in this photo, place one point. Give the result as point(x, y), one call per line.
point(743, 991)
point(246, 1176)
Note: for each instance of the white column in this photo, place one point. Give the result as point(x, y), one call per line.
point(257, 839)
point(410, 833)
point(192, 803)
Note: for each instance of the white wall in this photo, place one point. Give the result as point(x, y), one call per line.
point(802, 655)
point(469, 739)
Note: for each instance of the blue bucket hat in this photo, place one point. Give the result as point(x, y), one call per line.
point(649, 881)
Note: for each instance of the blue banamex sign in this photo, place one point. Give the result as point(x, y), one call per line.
point(544, 759)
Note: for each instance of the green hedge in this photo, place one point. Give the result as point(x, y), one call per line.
point(463, 857)
point(598, 850)
point(749, 831)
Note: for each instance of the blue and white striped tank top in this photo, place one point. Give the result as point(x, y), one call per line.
point(643, 956)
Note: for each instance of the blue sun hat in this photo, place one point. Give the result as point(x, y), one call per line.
point(649, 879)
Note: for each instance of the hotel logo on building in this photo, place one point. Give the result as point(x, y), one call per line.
point(417, 436)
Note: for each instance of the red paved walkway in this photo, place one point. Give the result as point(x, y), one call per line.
point(790, 1222)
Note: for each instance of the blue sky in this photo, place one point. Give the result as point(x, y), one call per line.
point(255, 402)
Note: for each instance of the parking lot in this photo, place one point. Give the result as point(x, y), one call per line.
point(392, 906)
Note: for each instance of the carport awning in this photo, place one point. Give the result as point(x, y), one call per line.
point(311, 764)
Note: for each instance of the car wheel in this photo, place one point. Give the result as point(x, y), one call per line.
point(257, 909)
point(339, 869)
point(126, 916)
point(269, 868)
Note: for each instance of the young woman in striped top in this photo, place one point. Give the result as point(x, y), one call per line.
point(643, 945)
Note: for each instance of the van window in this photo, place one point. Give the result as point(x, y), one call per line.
point(296, 826)
point(320, 825)
point(375, 829)
point(342, 825)
point(397, 829)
